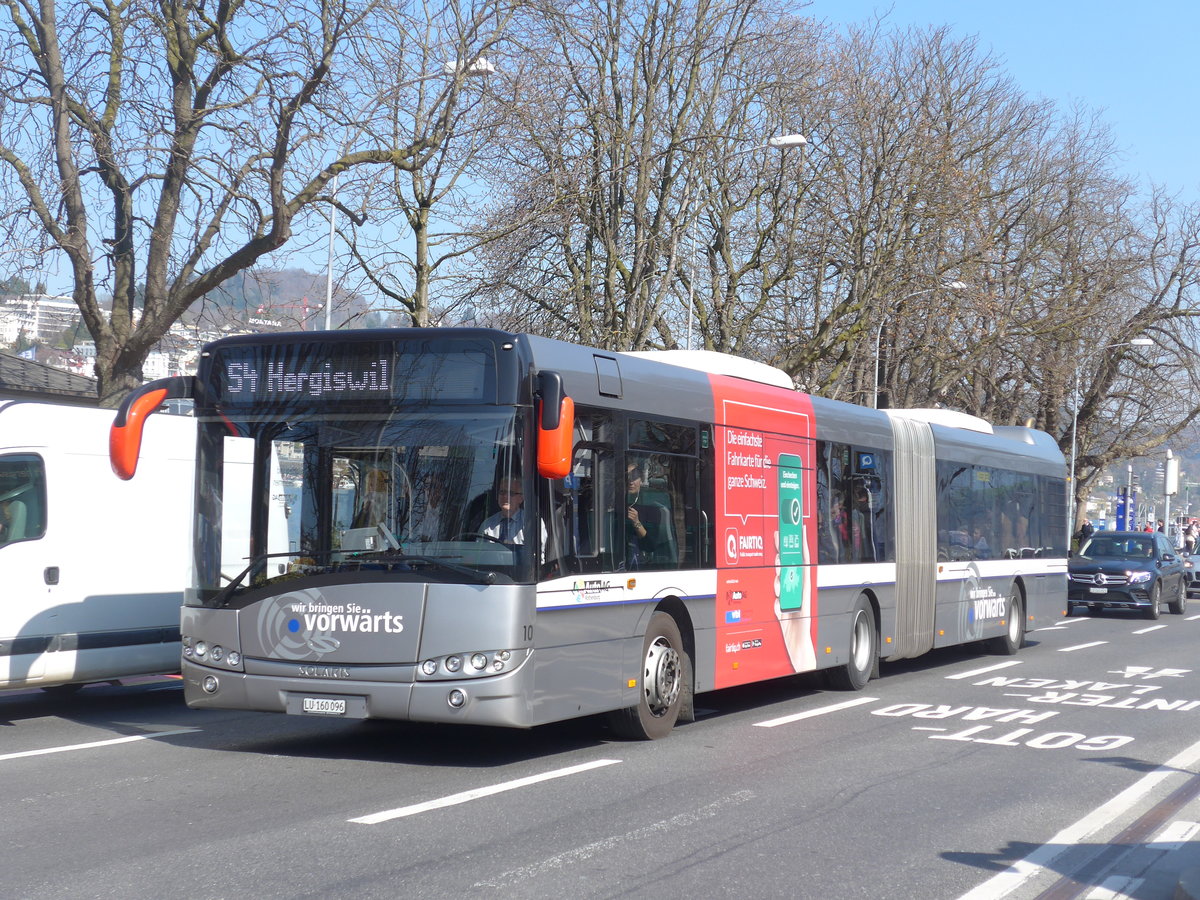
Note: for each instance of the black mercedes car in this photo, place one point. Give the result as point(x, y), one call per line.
point(1127, 570)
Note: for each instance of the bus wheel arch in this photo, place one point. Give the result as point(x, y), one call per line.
point(664, 682)
point(862, 663)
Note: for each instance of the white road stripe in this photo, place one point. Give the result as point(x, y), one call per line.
point(93, 744)
point(1082, 646)
point(1118, 887)
point(1148, 630)
point(468, 796)
point(1174, 835)
point(974, 672)
point(784, 720)
point(1004, 883)
point(1191, 618)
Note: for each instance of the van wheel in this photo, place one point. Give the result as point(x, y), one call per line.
point(665, 677)
point(864, 651)
point(1014, 634)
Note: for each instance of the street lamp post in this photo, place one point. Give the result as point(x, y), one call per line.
point(949, 285)
point(1132, 342)
point(477, 67)
point(777, 142)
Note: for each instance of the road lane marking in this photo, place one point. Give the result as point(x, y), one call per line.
point(648, 835)
point(974, 672)
point(1148, 630)
point(1174, 835)
point(1119, 887)
point(1004, 883)
point(796, 717)
point(477, 793)
point(1192, 618)
point(93, 744)
point(1082, 646)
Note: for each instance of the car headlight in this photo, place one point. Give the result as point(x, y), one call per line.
point(1139, 577)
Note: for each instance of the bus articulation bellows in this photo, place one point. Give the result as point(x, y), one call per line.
point(502, 529)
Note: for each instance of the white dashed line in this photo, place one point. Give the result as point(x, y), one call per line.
point(974, 672)
point(1081, 646)
point(468, 796)
point(91, 745)
point(784, 720)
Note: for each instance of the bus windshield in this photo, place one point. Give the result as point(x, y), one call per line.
point(421, 494)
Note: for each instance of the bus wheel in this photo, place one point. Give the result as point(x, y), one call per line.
point(664, 680)
point(864, 651)
point(1014, 635)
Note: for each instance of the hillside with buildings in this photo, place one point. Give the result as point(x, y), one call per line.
point(48, 328)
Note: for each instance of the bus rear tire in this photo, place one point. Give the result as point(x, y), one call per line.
point(665, 681)
point(864, 651)
point(1013, 638)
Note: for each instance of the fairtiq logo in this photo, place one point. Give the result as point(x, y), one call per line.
point(321, 617)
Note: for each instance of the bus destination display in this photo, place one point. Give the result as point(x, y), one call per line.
point(322, 373)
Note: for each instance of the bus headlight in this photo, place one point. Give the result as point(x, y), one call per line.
point(471, 664)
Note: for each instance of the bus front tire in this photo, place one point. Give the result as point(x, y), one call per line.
point(665, 679)
point(864, 651)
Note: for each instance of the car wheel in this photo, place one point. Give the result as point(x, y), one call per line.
point(1179, 604)
point(1155, 609)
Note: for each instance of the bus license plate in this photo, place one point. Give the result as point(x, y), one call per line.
point(1098, 590)
point(323, 706)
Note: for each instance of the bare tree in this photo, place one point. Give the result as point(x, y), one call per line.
point(622, 104)
point(173, 144)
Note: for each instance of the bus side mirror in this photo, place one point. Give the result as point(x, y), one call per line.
point(556, 425)
point(554, 444)
point(125, 436)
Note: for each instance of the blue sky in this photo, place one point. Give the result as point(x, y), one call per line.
point(1133, 61)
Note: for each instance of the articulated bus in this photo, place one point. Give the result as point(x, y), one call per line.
point(503, 529)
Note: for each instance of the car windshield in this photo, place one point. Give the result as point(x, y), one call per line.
point(1122, 547)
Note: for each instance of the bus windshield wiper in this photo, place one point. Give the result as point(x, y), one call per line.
point(395, 556)
point(227, 592)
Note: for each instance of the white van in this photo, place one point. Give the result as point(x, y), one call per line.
point(92, 568)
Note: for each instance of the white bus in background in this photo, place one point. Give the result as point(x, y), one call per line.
point(92, 568)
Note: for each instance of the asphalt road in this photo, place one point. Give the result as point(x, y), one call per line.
point(959, 774)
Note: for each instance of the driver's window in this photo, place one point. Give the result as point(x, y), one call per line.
point(22, 498)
